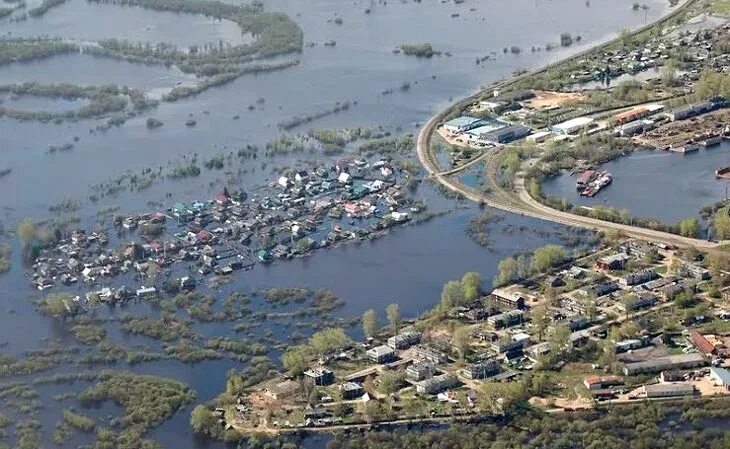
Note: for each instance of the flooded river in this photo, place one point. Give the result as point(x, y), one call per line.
point(408, 266)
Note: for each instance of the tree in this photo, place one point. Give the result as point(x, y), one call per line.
point(652, 256)
point(625, 38)
point(295, 360)
point(393, 313)
point(370, 323)
point(591, 308)
point(153, 269)
point(559, 339)
point(472, 285)
point(508, 271)
point(612, 236)
point(391, 381)
point(675, 266)
point(373, 411)
point(58, 305)
point(608, 353)
point(629, 329)
point(717, 262)
point(328, 340)
point(501, 397)
point(684, 300)
point(302, 245)
point(689, 227)
point(669, 75)
point(712, 84)
point(203, 421)
point(539, 384)
point(462, 341)
point(534, 188)
point(523, 266)
point(451, 295)
point(547, 257)
point(540, 320)
point(26, 230)
point(722, 224)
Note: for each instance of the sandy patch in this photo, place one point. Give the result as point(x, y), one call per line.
point(547, 99)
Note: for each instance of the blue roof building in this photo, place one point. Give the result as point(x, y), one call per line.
point(721, 377)
point(463, 123)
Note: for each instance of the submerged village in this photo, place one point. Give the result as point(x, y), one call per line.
point(300, 212)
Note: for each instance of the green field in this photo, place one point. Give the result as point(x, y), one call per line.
point(721, 7)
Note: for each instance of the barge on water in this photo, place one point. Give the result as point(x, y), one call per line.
point(585, 178)
point(602, 180)
point(686, 148)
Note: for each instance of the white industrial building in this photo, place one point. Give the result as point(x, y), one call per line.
point(573, 126)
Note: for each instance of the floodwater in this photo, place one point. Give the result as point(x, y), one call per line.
point(87, 21)
point(644, 180)
point(74, 69)
point(359, 68)
point(408, 266)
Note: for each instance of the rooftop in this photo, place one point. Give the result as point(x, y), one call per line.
point(381, 350)
point(669, 388)
point(464, 120)
point(722, 374)
point(576, 122)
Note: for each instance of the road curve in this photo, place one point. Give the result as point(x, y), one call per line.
point(524, 204)
point(528, 206)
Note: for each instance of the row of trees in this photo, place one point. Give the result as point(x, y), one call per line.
point(542, 259)
point(460, 292)
point(296, 359)
point(371, 325)
point(14, 50)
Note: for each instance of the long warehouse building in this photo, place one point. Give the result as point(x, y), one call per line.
point(683, 361)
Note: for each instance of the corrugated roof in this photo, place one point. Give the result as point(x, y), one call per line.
point(701, 342)
point(722, 374)
point(669, 388)
point(572, 123)
point(464, 120)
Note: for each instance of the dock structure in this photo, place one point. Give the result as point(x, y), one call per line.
point(686, 148)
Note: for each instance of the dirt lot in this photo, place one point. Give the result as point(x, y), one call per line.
point(707, 388)
point(451, 139)
point(566, 404)
point(544, 99)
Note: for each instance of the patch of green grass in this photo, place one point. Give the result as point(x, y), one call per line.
point(721, 7)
